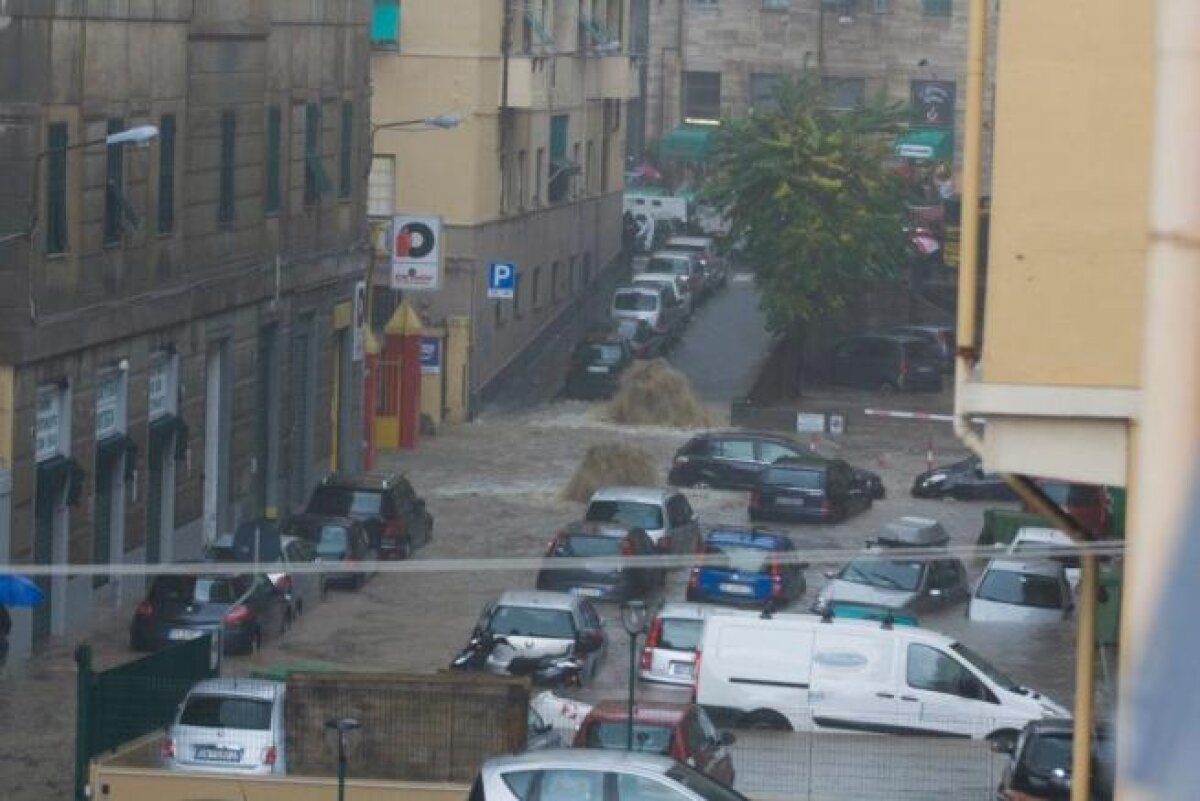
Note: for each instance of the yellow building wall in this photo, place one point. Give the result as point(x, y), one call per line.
point(1066, 268)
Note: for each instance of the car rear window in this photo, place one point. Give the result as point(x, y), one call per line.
point(631, 513)
point(1021, 589)
point(605, 354)
point(1045, 752)
point(194, 589)
point(532, 622)
point(226, 712)
point(588, 545)
point(343, 501)
point(635, 301)
point(614, 735)
point(797, 478)
point(333, 541)
point(681, 634)
point(680, 266)
point(921, 350)
point(742, 558)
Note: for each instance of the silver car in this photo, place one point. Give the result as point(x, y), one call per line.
point(536, 623)
point(580, 774)
point(1022, 591)
point(669, 655)
point(229, 726)
point(664, 514)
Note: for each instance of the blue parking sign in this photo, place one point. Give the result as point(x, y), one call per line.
point(502, 280)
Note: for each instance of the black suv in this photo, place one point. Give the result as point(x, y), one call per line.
point(1040, 764)
point(807, 489)
point(885, 362)
point(394, 515)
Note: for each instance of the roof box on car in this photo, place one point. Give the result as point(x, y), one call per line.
point(910, 532)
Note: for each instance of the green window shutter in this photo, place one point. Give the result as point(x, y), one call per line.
point(271, 198)
point(114, 185)
point(559, 176)
point(225, 202)
point(56, 188)
point(316, 183)
point(166, 174)
point(346, 155)
point(936, 8)
point(385, 22)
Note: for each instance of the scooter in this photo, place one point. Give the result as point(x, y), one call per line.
point(495, 654)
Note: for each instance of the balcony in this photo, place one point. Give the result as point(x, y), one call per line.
point(613, 77)
point(530, 85)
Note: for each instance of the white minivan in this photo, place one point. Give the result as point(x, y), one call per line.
point(804, 672)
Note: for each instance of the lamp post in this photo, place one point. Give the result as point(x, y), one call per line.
point(343, 726)
point(633, 619)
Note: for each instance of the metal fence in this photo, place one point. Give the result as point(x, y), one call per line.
point(125, 702)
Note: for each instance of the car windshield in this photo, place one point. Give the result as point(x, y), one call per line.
point(701, 785)
point(333, 542)
point(635, 301)
point(342, 502)
point(794, 477)
point(1036, 546)
point(226, 712)
point(531, 621)
point(614, 735)
point(681, 634)
point(194, 589)
point(588, 545)
point(1021, 589)
point(742, 558)
point(1045, 752)
point(670, 266)
point(985, 667)
point(631, 513)
point(889, 574)
point(602, 354)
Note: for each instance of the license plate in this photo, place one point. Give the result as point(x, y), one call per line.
point(790, 501)
point(587, 592)
point(737, 589)
point(185, 634)
point(681, 668)
point(597, 369)
point(209, 754)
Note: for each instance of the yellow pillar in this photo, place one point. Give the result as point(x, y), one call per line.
point(456, 361)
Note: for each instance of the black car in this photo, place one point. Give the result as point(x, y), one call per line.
point(807, 489)
point(1039, 768)
point(733, 460)
point(244, 609)
point(963, 481)
point(596, 367)
point(394, 516)
point(255, 540)
point(604, 581)
point(341, 541)
point(885, 362)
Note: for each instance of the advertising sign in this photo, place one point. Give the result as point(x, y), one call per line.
point(933, 103)
point(49, 411)
point(431, 355)
point(416, 247)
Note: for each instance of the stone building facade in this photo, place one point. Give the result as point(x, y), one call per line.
point(176, 344)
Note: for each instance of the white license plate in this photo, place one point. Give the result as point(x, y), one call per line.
point(597, 369)
point(737, 589)
point(208, 754)
point(587, 592)
point(185, 634)
point(681, 668)
point(790, 501)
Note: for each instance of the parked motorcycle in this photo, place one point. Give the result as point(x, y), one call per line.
point(492, 653)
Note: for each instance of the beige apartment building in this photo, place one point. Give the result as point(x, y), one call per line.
point(720, 58)
point(531, 176)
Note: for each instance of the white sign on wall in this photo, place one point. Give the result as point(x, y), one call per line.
point(49, 420)
point(416, 247)
point(108, 404)
point(162, 384)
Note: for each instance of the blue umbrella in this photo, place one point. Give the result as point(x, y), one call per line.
point(19, 591)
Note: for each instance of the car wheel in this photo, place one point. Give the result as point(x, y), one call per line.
point(765, 720)
point(405, 549)
point(887, 388)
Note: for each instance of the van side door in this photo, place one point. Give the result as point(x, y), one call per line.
point(852, 686)
point(940, 695)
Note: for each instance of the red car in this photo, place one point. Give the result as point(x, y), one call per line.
point(680, 731)
point(1087, 503)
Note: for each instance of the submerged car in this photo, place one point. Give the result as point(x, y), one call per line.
point(1039, 768)
point(596, 367)
point(964, 480)
point(602, 580)
point(805, 489)
point(1019, 591)
point(747, 567)
point(669, 653)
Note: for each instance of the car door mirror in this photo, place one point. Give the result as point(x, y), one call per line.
point(727, 738)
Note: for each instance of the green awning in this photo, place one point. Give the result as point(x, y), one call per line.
point(926, 143)
point(686, 143)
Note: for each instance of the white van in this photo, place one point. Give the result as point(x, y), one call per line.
point(802, 672)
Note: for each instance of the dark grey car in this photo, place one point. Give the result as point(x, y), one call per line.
point(604, 580)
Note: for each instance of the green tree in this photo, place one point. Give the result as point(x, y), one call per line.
point(810, 199)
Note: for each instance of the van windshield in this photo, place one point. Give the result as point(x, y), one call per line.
point(985, 667)
point(635, 301)
point(888, 574)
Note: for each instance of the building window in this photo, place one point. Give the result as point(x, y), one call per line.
point(272, 198)
point(381, 187)
point(315, 182)
point(844, 94)
point(763, 86)
point(935, 8)
point(537, 177)
point(346, 157)
point(589, 172)
point(560, 172)
point(166, 174)
point(776, 5)
point(225, 203)
point(56, 188)
point(385, 23)
point(554, 271)
point(522, 179)
point(702, 95)
point(114, 185)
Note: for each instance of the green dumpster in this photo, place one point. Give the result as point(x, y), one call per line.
point(1000, 526)
point(1108, 609)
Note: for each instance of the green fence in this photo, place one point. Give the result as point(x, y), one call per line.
point(128, 701)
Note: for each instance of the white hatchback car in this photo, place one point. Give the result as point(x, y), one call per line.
point(229, 726)
point(669, 655)
point(589, 774)
point(665, 514)
point(1021, 591)
point(1031, 539)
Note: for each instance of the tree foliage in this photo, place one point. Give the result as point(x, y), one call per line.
point(810, 199)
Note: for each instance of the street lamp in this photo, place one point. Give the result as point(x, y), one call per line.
point(343, 726)
point(633, 619)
